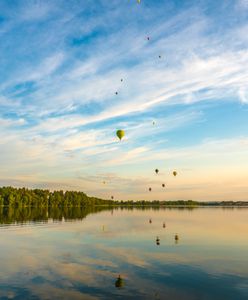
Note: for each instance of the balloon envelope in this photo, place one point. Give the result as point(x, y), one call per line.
point(120, 133)
point(174, 173)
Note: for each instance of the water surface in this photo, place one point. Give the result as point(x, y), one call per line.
point(79, 254)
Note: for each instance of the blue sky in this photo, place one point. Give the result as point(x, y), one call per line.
point(61, 65)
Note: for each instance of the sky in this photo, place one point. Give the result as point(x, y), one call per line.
point(62, 63)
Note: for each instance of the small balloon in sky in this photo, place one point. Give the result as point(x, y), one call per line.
point(156, 171)
point(112, 197)
point(159, 56)
point(120, 133)
point(163, 185)
point(175, 173)
point(153, 123)
point(116, 93)
point(150, 189)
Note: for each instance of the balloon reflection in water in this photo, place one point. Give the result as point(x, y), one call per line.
point(119, 283)
point(176, 238)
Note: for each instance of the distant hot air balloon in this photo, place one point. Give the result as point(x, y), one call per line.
point(150, 189)
point(120, 133)
point(164, 225)
point(159, 56)
point(156, 171)
point(112, 197)
point(121, 79)
point(150, 221)
point(153, 123)
point(174, 173)
point(163, 185)
point(116, 93)
point(176, 237)
point(158, 241)
point(104, 182)
point(148, 38)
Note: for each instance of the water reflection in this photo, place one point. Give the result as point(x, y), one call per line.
point(22, 215)
point(105, 255)
point(119, 282)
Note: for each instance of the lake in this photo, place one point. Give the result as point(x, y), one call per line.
point(80, 254)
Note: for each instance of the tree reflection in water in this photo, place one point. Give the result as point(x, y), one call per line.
point(22, 215)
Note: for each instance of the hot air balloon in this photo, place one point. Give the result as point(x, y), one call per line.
point(150, 221)
point(104, 182)
point(150, 189)
point(156, 171)
point(119, 282)
point(174, 173)
point(120, 133)
point(164, 225)
point(116, 93)
point(176, 237)
point(158, 241)
point(112, 197)
point(153, 123)
point(159, 56)
point(121, 79)
point(163, 185)
point(148, 38)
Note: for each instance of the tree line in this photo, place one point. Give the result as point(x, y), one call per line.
point(23, 197)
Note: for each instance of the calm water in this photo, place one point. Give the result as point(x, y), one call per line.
point(76, 254)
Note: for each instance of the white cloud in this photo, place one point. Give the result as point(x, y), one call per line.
point(243, 94)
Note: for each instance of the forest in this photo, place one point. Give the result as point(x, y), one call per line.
point(23, 197)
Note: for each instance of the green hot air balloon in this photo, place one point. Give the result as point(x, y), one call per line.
point(120, 133)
